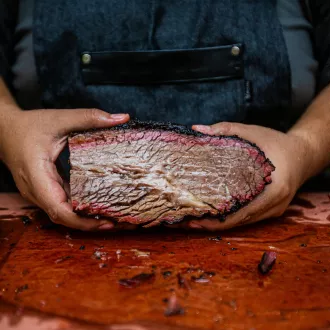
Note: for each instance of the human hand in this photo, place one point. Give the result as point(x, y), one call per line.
point(290, 154)
point(30, 143)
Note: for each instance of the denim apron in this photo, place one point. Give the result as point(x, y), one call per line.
point(184, 61)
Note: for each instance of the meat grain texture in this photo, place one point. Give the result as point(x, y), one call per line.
point(153, 173)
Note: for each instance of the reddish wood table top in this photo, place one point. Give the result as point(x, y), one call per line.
point(67, 279)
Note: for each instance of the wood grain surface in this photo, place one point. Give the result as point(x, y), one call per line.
point(214, 276)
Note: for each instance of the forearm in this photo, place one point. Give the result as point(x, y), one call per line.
point(6, 99)
point(8, 109)
point(314, 129)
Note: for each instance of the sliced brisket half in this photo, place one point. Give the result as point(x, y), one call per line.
point(149, 173)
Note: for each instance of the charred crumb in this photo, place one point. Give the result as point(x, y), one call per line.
point(210, 274)
point(183, 283)
point(139, 253)
point(324, 270)
point(154, 267)
point(201, 279)
point(165, 300)
point(25, 272)
point(26, 220)
point(21, 288)
point(217, 238)
point(233, 248)
point(82, 247)
point(267, 262)
point(136, 280)
point(172, 252)
point(12, 245)
point(167, 274)
point(99, 254)
point(318, 261)
point(62, 259)
point(173, 307)
point(303, 245)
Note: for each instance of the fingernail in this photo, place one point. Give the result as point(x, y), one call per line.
point(119, 116)
point(195, 225)
point(106, 226)
point(202, 128)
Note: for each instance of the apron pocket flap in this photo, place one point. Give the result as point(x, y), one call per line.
point(163, 66)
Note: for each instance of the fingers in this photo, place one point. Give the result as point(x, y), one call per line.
point(262, 207)
point(213, 224)
point(83, 119)
point(226, 128)
point(48, 193)
point(258, 210)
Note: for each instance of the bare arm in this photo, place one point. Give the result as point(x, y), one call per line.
point(8, 106)
point(314, 128)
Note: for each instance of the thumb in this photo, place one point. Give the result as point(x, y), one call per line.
point(84, 119)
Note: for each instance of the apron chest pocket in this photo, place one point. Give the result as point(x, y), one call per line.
point(163, 66)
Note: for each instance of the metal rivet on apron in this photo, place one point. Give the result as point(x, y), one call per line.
point(235, 51)
point(86, 58)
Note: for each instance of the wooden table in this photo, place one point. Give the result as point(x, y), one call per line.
point(55, 278)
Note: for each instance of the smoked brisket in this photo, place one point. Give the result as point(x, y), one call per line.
point(153, 173)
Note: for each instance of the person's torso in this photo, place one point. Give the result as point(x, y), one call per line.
point(181, 61)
